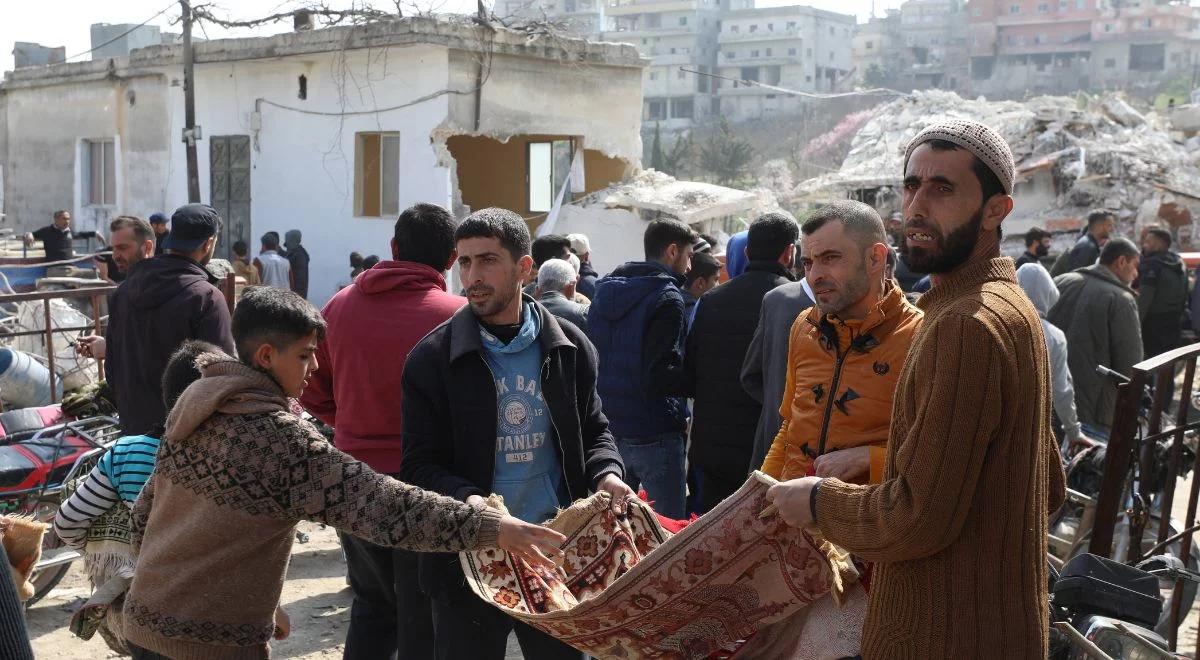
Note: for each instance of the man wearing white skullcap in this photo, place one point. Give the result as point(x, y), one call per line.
point(957, 528)
point(582, 248)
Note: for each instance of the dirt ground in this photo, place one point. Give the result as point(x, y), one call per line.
point(315, 596)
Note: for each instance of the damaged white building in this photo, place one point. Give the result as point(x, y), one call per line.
point(330, 131)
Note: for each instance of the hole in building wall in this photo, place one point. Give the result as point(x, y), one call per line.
point(303, 87)
point(495, 173)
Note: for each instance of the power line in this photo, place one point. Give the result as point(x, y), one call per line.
point(794, 92)
point(123, 34)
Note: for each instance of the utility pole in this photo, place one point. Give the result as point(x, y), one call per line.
point(191, 132)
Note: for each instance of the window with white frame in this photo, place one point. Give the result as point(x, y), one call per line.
point(377, 174)
point(549, 166)
point(99, 173)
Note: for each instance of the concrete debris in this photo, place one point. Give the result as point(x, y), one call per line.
point(1121, 112)
point(615, 218)
point(1073, 155)
point(691, 202)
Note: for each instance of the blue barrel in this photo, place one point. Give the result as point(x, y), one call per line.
point(25, 382)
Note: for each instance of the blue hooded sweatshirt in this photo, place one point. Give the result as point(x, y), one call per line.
point(735, 254)
point(528, 473)
point(619, 326)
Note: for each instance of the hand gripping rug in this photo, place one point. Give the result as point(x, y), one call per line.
point(629, 589)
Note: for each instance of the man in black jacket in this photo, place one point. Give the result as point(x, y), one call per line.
point(58, 239)
point(1037, 246)
point(1100, 225)
point(163, 302)
point(1162, 293)
point(725, 416)
point(501, 399)
point(298, 259)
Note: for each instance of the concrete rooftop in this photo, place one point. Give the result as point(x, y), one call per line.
point(457, 33)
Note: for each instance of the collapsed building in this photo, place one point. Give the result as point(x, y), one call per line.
point(615, 218)
point(330, 131)
point(1073, 154)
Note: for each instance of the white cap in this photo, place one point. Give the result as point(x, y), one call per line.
point(579, 244)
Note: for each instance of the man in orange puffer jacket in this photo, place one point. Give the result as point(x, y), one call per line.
point(844, 354)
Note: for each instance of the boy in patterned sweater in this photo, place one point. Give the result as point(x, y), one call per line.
point(236, 471)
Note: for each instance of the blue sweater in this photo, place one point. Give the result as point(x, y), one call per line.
point(528, 472)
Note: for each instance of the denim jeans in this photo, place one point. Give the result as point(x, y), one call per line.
point(656, 463)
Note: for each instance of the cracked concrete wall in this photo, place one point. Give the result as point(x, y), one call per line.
point(45, 132)
point(303, 165)
point(381, 78)
point(523, 95)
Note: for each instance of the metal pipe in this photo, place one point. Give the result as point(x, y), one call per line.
point(1116, 464)
point(50, 351)
point(1081, 641)
point(1168, 498)
point(1185, 551)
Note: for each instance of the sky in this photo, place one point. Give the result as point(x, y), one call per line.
point(30, 20)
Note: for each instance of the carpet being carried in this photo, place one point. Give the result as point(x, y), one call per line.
point(630, 589)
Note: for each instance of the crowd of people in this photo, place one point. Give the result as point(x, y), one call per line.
point(900, 380)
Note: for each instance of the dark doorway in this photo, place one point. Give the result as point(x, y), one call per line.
point(229, 172)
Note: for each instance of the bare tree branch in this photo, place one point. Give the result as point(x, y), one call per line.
point(328, 16)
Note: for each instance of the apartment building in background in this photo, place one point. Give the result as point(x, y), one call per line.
point(1020, 47)
point(118, 40)
point(584, 18)
point(766, 52)
point(680, 39)
point(878, 50)
point(934, 34)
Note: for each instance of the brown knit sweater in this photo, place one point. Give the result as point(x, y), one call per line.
point(958, 526)
point(215, 522)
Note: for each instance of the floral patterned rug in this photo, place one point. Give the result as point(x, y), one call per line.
point(630, 589)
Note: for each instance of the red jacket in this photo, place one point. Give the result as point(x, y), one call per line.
point(373, 324)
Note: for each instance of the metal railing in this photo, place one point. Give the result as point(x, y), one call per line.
point(1128, 434)
point(228, 288)
point(95, 293)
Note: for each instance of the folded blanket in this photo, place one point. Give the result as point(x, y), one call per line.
point(628, 588)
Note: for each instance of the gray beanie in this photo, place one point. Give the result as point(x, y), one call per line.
point(981, 140)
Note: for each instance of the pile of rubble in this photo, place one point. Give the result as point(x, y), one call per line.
point(1073, 155)
point(615, 218)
